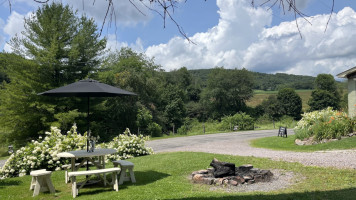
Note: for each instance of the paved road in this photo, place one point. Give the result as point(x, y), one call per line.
point(190, 142)
point(237, 143)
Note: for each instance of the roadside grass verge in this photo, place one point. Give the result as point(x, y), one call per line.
point(166, 176)
point(287, 144)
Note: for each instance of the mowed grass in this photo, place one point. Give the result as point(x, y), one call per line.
point(260, 95)
point(167, 176)
point(287, 144)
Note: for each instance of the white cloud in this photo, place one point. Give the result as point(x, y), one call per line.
point(222, 45)
point(280, 48)
point(14, 24)
point(2, 39)
point(113, 44)
point(241, 39)
point(125, 13)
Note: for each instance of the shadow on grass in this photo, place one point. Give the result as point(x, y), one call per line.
point(146, 177)
point(142, 178)
point(345, 194)
point(7, 182)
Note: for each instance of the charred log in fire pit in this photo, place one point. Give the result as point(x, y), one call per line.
point(224, 173)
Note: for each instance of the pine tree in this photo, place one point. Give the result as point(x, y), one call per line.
point(60, 48)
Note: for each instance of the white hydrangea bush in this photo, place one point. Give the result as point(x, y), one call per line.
point(128, 145)
point(324, 124)
point(317, 116)
point(42, 153)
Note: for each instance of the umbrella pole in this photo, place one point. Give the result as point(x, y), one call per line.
point(88, 123)
point(88, 133)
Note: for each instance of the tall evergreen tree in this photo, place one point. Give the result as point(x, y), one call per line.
point(63, 48)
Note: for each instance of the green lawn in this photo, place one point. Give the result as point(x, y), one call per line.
point(287, 144)
point(166, 176)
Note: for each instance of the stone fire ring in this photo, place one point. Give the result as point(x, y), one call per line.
point(244, 174)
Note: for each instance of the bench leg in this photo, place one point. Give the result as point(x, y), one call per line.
point(66, 176)
point(33, 183)
point(132, 175)
point(49, 184)
point(37, 187)
point(122, 176)
point(115, 181)
point(74, 187)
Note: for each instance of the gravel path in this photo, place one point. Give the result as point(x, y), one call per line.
point(237, 143)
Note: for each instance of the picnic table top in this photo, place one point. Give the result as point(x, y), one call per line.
point(84, 153)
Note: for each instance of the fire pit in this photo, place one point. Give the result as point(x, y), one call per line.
point(224, 173)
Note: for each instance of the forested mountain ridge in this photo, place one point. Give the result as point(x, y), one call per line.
point(263, 81)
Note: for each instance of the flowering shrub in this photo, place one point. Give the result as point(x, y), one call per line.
point(43, 153)
point(324, 124)
point(128, 145)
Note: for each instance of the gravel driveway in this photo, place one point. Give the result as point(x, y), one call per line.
point(237, 143)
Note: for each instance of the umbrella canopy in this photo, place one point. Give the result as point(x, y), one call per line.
point(87, 88)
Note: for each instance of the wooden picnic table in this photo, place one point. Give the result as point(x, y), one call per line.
point(87, 156)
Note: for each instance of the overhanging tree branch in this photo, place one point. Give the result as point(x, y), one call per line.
point(168, 6)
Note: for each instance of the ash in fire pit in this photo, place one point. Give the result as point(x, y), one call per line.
point(224, 173)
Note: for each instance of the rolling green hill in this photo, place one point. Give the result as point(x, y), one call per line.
point(263, 81)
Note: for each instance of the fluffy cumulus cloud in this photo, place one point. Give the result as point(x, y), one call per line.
point(280, 48)
point(222, 45)
point(242, 39)
point(14, 25)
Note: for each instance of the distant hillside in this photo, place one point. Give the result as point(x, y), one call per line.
point(265, 81)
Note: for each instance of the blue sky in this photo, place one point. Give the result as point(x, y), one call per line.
point(227, 33)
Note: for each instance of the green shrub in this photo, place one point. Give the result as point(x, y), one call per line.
point(324, 124)
point(185, 128)
point(242, 120)
point(154, 129)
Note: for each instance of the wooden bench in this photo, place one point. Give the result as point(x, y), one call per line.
point(73, 176)
point(41, 181)
point(68, 167)
point(125, 165)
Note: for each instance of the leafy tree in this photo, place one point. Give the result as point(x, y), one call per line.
point(144, 118)
point(321, 99)
point(272, 107)
point(134, 72)
point(174, 107)
point(63, 48)
point(326, 93)
point(227, 91)
point(181, 77)
point(290, 103)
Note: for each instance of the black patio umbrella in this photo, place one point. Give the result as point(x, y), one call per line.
point(87, 88)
